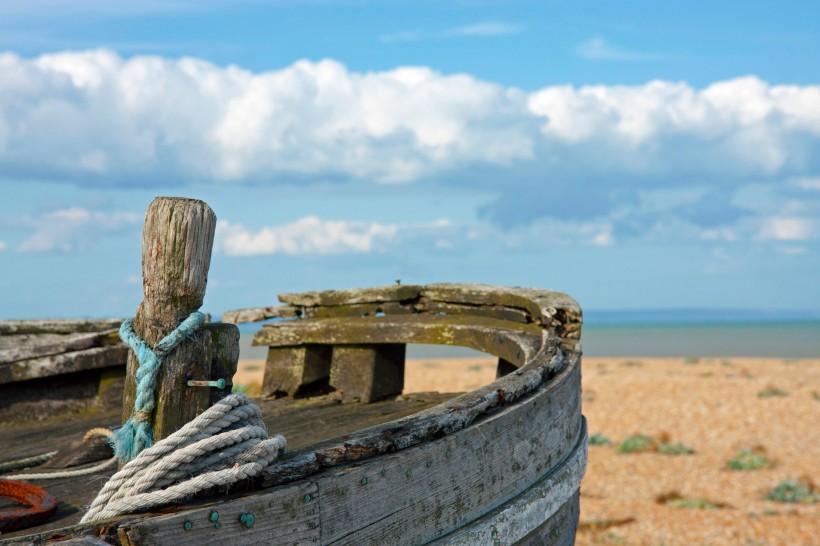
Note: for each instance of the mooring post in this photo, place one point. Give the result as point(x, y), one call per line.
point(176, 253)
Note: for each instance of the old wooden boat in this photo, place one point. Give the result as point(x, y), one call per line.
point(365, 464)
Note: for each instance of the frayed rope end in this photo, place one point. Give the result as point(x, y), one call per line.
point(131, 439)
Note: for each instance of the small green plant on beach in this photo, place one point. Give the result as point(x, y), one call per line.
point(815, 395)
point(609, 538)
point(633, 364)
point(794, 492)
point(599, 439)
point(691, 361)
point(675, 449)
point(636, 444)
point(676, 500)
point(474, 367)
point(771, 392)
point(240, 388)
point(692, 504)
point(748, 459)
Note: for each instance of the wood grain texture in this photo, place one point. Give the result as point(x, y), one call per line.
point(538, 514)
point(499, 312)
point(65, 363)
point(512, 341)
point(420, 494)
point(367, 373)
point(24, 346)
point(57, 326)
point(396, 292)
point(292, 371)
point(559, 529)
point(286, 515)
point(177, 239)
point(258, 314)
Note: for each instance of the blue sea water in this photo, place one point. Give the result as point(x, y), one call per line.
point(670, 333)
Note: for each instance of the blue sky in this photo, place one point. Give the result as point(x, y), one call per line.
point(637, 155)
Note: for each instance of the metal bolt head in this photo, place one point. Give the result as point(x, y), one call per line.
point(187, 525)
point(364, 481)
point(243, 517)
point(213, 516)
point(308, 498)
point(217, 525)
point(249, 520)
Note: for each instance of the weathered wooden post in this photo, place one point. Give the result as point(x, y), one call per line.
point(176, 253)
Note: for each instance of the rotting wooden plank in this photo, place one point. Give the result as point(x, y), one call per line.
point(396, 292)
point(258, 314)
point(543, 505)
point(499, 312)
point(285, 515)
point(53, 365)
point(23, 346)
point(441, 420)
point(359, 310)
point(550, 308)
point(367, 373)
point(25, 402)
point(512, 341)
point(422, 493)
point(289, 370)
point(57, 326)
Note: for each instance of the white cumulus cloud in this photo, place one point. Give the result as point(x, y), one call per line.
point(74, 228)
point(309, 235)
point(585, 154)
point(598, 49)
point(785, 228)
point(3, 246)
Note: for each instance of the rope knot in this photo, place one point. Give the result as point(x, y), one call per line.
point(136, 434)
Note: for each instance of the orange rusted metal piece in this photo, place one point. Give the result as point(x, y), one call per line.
point(42, 505)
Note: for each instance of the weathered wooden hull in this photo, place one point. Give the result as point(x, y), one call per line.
point(499, 465)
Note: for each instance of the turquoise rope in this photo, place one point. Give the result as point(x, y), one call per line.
point(136, 434)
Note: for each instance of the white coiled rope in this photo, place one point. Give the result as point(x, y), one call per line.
point(227, 443)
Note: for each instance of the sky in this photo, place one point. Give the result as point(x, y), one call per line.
point(636, 155)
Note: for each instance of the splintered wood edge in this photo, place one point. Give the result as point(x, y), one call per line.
point(549, 308)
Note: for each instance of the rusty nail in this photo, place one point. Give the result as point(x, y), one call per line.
point(187, 525)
